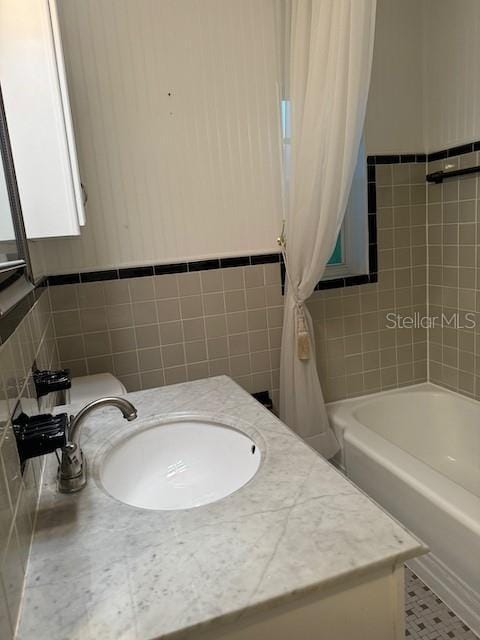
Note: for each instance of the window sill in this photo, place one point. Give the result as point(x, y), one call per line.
point(346, 281)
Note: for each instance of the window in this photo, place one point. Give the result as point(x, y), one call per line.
point(350, 255)
point(337, 255)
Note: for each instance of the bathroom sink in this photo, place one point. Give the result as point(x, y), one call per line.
point(179, 464)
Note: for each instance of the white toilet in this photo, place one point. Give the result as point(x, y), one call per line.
point(84, 389)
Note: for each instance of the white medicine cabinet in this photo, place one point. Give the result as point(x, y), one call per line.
point(37, 108)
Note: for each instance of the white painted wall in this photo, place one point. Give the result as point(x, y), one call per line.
point(175, 112)
point(196, 174)
point(452, 72)
point(394, 114)
point(425, 88)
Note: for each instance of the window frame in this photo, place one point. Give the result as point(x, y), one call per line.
point(354, 230)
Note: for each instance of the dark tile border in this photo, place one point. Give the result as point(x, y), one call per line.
point(450, 152)
point(169, 269)
point(244, 261)
point(12, 319)
point(94, 276)
point(163, 269)
point(348, 281)
point(372, 161)
point(130, 272)
point(227, 263)
point(454, 151)
point(401, 158)
point(204, 265)
point(68, 278)
point(266, 258)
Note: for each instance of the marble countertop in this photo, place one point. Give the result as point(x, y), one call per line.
point(102, 570)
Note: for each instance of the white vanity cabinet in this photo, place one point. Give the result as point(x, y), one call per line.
point(368, 607)
point(32, 76)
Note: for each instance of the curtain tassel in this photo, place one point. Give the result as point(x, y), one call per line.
point(303, 338)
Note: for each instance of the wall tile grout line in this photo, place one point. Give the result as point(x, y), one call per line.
point(31, 341)
point(208, 302)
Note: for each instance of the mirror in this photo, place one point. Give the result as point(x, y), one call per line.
point(8, 243)
point(14, 262)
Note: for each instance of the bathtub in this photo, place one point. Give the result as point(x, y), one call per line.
point(416, 451)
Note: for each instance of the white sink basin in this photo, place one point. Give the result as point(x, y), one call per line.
point(179, 464)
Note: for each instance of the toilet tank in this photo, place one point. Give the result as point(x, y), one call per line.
point(84, 389)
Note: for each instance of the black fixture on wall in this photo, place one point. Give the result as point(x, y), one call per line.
point(39, 434)
point(439, 176)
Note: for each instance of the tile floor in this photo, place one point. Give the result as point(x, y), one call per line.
point(427, 617)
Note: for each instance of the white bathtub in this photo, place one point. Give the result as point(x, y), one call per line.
point(416, 451)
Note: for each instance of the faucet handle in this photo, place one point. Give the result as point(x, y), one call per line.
point(40, 434)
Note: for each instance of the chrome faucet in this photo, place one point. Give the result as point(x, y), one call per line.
point(72, 472)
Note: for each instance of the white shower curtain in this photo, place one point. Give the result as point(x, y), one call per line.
point(330, 55)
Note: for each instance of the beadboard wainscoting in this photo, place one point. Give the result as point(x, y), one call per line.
point(177, 123)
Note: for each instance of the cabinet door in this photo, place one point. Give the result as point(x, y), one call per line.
point(32, 77)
